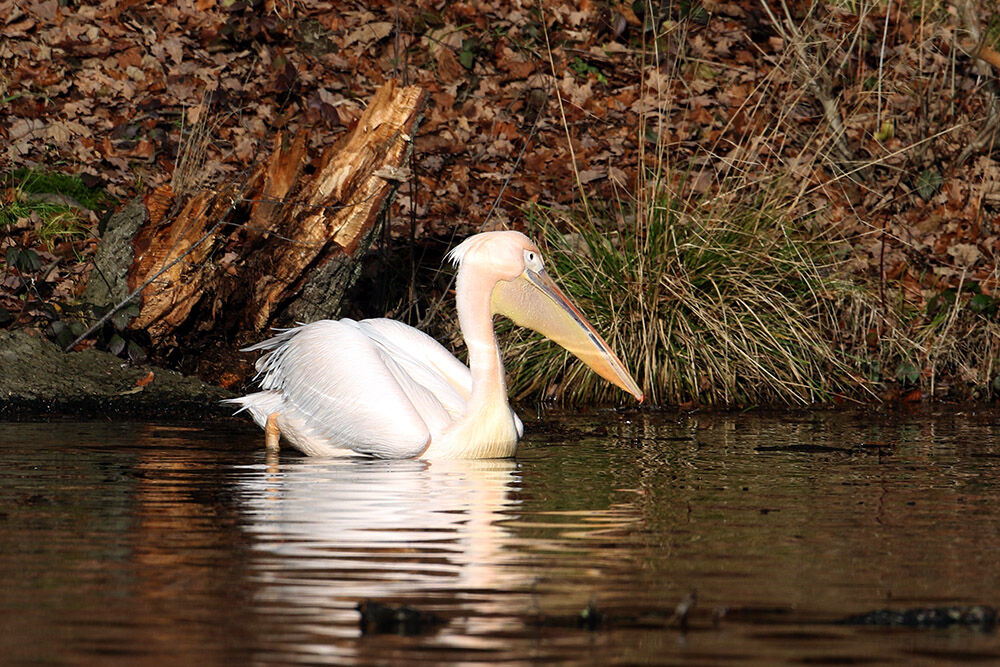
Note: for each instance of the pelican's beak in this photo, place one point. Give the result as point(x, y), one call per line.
point(533, 300)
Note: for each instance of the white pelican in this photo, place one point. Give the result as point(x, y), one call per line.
point(381, 388)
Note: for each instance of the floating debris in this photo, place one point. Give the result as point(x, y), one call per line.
point(684, 608)
point(590, 618)
point(808, 449)
point(383, 619)
point(976, 616)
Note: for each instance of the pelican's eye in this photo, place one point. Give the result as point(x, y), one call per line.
point(532, 260)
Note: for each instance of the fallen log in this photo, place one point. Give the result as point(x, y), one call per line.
point(219, 268)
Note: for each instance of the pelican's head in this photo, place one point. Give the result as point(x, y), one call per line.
point(521, 289)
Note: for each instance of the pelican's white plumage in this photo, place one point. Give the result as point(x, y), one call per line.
point(381, 388)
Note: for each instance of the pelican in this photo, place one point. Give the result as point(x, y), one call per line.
point(384, 389)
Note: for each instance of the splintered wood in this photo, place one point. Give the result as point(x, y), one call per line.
point(174, 254)
point(232, 259)
point(340, 204)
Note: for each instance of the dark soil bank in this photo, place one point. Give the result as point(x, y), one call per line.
point(37, 378)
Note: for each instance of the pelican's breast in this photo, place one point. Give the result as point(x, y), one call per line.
point(490, 433)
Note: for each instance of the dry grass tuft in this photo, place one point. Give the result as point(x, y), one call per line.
point(735, 308)
point(196, 140)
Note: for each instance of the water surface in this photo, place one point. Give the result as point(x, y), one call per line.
point(140, 543)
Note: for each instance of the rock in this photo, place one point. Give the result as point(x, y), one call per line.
point(36, 377)
point(108, 284)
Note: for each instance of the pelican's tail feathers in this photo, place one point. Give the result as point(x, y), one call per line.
point(260, 405)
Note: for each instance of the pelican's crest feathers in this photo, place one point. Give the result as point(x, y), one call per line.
point(457, 254)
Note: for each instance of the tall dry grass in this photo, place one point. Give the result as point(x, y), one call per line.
point(743, 292)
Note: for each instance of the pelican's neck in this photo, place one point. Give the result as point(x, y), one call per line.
point(488, 429)
point(473, 295)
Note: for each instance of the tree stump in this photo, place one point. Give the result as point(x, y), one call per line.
point(218, 269)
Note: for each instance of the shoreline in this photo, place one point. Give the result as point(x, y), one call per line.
point(38, 379)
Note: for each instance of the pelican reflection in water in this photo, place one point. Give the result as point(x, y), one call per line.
point(469, 538)
point(349, 529)
point(381, 388)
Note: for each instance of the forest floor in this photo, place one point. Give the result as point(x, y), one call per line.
point(877, 119)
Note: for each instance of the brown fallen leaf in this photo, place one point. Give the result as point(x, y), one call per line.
point(368, 34)
point(228, 380)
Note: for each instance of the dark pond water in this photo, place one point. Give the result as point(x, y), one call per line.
point(139, 543)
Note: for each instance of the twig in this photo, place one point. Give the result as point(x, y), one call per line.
point(817, 78)
point(886, 157)
point(881, 264)
point(881, 61)
point(569, 138)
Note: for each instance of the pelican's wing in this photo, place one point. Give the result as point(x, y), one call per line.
point(334, 377)
point(424, 360)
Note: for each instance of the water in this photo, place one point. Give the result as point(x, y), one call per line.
point(137, 543)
